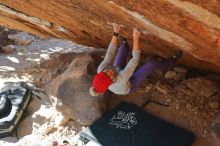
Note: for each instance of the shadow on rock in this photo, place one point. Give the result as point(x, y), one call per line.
point(70, 92)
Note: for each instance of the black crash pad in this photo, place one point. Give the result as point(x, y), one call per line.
point(128, 125)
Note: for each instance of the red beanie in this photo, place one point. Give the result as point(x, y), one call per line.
point(101, 82)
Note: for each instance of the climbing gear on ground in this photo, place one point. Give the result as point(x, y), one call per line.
point(19, 98)
point(5, 106)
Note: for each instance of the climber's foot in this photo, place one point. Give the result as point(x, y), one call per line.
point(177, 55)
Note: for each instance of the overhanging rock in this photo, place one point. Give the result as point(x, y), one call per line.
point(191, 26)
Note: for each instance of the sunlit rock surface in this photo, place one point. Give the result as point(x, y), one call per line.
point(31, 50)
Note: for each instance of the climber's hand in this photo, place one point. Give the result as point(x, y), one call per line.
point(136, 40)
point(116, 28)
point(136, 34)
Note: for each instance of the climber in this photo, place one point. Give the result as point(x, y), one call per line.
point(121, 78)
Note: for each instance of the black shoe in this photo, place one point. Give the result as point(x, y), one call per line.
point(177, 55)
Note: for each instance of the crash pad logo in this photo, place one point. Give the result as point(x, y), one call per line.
point(124, 120)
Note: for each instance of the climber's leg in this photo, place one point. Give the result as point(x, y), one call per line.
point(120, 60)
point(139, 76)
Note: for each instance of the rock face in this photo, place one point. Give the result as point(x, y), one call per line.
point(70, 92)
point(202, 87)
point(215, 129)
point(191, 26)
point(199, 87)
point(177, 74)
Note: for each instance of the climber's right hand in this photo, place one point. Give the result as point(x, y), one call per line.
point(116, 28)
point(136, 39)
point(136, 34)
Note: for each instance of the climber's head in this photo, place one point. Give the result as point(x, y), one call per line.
point(102, 81)
point(110, 73)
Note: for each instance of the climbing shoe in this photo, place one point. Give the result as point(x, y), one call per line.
point(177, 55)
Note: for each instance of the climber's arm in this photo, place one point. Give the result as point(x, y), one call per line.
point(132, 64)
point(111, 49)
